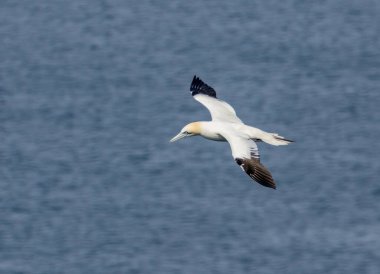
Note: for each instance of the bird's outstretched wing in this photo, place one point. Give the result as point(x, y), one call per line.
point(206, 95)
point(246, 155)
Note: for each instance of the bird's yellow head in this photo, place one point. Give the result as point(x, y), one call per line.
point(191, 129)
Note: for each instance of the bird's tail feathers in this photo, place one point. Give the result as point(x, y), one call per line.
point(275, 139)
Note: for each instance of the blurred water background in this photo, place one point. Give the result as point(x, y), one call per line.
point(92, 91)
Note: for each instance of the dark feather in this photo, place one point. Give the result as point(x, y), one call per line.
point(199, 87)
point(283, 139)
point(257, 172)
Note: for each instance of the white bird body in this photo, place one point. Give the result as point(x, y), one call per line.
point(227, 127)
point(214, 131)
point(211, 130)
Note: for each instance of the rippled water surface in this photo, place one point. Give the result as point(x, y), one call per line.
point(91, 92)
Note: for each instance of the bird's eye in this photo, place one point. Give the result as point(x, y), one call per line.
point(187, 133)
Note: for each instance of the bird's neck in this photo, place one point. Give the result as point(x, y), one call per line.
point(209, 130)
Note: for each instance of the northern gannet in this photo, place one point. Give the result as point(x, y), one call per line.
point(225, 126)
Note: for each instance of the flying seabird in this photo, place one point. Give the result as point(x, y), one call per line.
point(225, 126)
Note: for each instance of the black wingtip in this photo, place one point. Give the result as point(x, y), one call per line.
point(257, 172)
point(199, 87)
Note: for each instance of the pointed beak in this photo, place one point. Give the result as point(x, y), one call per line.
point(177, 137)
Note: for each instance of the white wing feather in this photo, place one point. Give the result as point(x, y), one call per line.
point(241, 146)
point(220, 110)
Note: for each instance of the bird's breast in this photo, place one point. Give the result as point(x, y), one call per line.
point(212, 134)
point(214, 137)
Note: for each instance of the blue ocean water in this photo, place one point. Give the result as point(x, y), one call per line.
point(92, 91)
